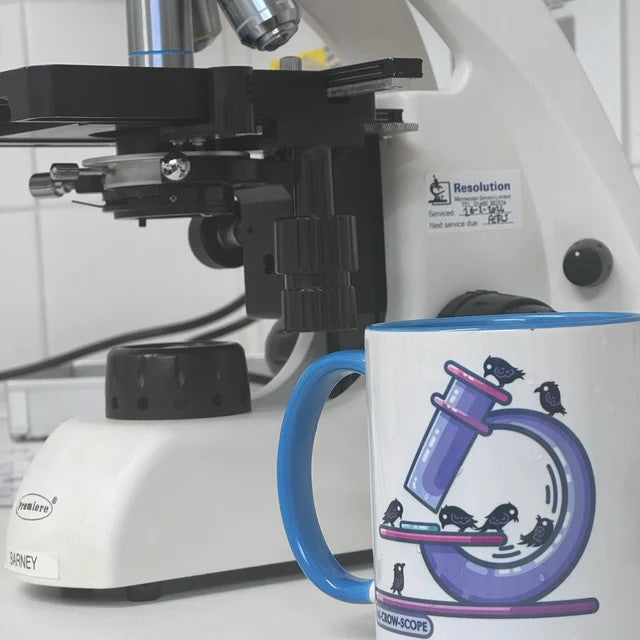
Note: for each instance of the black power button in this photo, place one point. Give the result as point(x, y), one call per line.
point(588, 263)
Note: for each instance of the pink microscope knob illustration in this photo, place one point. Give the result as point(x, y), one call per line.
point(501, 562)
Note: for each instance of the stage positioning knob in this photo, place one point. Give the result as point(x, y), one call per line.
point(177, 381)
point(588, 263)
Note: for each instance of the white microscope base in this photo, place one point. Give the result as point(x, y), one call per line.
point(140, 502)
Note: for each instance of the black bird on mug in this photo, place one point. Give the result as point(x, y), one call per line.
point(398, 578)
point(500, 517)
point(456, 517)
point(393, 512)
point(540, 534)
point(502, 371)
point(550, 399)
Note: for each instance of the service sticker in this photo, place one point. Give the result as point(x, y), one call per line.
point(474, 200)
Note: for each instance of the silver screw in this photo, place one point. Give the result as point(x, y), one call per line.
point(175, 167)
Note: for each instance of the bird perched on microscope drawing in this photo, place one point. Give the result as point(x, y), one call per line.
point(550, 399)
point(456, 517)
point(502, 371)
point(540, 534)
point(393, 512)
point(398, 578)
point(500, 517)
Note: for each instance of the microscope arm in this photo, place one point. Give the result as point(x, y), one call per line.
point(520, 101)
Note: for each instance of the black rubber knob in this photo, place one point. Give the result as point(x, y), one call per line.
point(319, 309)
point(316, 245)
point(489, 303)
point(213, 243)
point(316, 257)
point(588, 263)
point(177, 381)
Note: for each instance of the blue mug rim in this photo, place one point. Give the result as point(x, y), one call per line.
point(510, 322)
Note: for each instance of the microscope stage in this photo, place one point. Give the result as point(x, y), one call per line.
point(57, 105)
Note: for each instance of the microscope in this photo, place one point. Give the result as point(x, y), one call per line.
point(348, 197)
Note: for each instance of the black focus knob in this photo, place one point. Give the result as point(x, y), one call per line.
point(177, 381)
point(588, 263)
point(316, 257)
point(319, 308)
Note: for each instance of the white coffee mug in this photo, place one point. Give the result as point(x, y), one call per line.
point(505, 467)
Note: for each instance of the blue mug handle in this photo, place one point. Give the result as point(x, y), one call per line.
point(295, 490)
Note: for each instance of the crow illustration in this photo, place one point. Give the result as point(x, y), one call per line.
point(456, 517)
point(398, 578)
point(540, 534)
point(393, 512)
point(500, 517)
point(550, 398)
point(502, 371)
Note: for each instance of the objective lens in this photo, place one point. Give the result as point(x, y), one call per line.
point(262, 24)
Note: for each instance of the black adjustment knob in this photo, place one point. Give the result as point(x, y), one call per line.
point(177, 381)
point(214, 243)
point(588, 263)
point(489, 303)
point(317, 256)
point(319, 308)
point(316, 245)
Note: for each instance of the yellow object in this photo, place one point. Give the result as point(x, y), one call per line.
point(313, 60)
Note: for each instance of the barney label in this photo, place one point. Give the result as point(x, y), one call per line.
point(474, 200)
point(33, 563)
point(406, 625)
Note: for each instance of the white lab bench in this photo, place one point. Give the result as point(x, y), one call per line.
point(281, 608)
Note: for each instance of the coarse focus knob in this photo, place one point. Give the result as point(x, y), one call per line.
point(177, 381)
point(319, 309)
point(588, 263)
point(316, 257)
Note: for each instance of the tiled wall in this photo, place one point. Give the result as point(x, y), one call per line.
point(71, 274)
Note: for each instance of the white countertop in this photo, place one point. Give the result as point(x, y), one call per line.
point(278, 608)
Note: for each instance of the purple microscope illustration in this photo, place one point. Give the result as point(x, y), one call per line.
point(513, 581)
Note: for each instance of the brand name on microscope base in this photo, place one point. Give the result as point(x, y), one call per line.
point(33, 506)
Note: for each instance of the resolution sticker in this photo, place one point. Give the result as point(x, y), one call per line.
point(474, 200)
